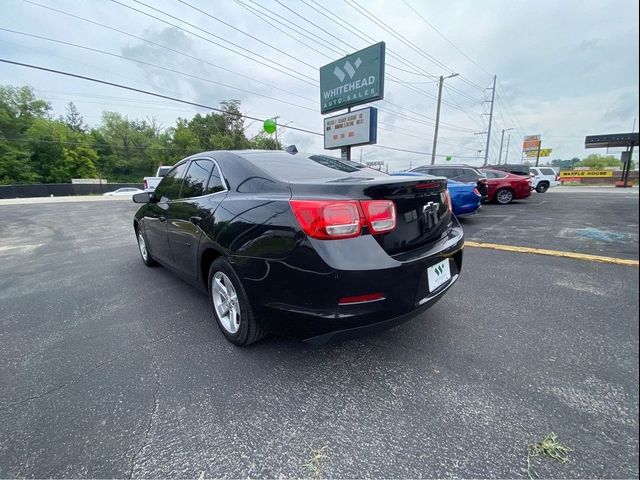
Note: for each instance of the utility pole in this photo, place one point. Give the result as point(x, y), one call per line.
point(506, 154)
point(501, 143)
point(435, 134)
point(493, 96)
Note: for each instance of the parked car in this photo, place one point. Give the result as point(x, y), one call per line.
point(542, 178)
point(515, 168)
point(465, 197)
point(123, 192)
point(307, 246)
point(505, 187)
point(150, 183)
point(459, 173)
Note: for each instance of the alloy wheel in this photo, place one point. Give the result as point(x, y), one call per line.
point(504, 196)
point(225, 301)
point(143, 247)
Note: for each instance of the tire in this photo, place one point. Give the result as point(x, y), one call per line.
point(542, 187)
point(239, 324)
point(504, 196)
point(143, 249)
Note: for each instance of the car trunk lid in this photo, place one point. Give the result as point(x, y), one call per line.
point(422, 211)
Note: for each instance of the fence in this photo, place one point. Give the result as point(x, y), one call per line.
point(60, 189)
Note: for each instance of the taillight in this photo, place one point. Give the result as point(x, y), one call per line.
point(335, 219)
point(328, 219)
point(477, 192)
point(380, 215)
point(146, 185)
point(448, 200)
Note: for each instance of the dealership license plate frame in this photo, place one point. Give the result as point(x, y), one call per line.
point(435, 279)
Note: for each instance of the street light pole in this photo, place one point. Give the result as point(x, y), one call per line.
point(506, 154)
point(502, 142)
point(435, 133)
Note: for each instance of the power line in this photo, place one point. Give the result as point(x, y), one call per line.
point(165, 47)
point(309, 35)
point(187, 102)
point(236, 29)
point(310, 81)
point(182, 53)
point(142, 62)
point(402, 38)
point(320, 40)
point(261, 16)
point(145, 92)
point(445, 37)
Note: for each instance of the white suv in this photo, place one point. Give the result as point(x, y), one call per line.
point(542, 178)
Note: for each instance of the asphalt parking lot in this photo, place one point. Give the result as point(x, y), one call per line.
point(112, 369)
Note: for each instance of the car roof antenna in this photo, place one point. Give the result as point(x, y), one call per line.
point(291, 149)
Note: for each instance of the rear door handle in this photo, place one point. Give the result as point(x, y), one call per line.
point(162, 219)
point(195, 220)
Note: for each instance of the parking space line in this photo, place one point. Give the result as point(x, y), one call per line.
point(553, 253)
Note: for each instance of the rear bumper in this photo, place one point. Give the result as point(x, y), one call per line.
point(303, 302)
point(523, 192)
point(372, 328)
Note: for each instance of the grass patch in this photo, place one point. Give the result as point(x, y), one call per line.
point(315, 464)
point(549, 447)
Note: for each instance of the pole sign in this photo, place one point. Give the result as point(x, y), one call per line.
point(544, 152)
point(353, 80)
point(352, 128)
point(531, 142)
point(585, 173)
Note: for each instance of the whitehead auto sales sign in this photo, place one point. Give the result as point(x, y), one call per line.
point(353, 80)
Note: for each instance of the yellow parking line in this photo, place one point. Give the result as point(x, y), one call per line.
point(553, 253)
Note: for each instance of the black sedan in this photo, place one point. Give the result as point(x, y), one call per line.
point(308, 246)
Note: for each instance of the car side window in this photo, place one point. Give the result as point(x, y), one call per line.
point(216, 183)
point(441, 172)
point(548, 171)
point(169, 186)
point(534, 171)
point(196, 179)
point(490, 174)
point(466, 175)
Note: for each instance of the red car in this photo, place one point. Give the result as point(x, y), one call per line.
point(505, 187)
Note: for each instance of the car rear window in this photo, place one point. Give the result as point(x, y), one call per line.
point(300, 166)
point(548, 171)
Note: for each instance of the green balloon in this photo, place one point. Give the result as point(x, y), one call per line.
point(269, 125)
point(449, 158)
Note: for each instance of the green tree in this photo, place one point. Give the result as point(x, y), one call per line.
point(565, 164)
point(596, 161)
point(73, 119)
point(262, 142)
point(18, 109)
point(59, 154)
point(15, 165)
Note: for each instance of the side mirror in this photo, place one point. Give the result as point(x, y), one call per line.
point(142, 197)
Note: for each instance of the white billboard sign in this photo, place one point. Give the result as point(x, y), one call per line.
point(351, 128)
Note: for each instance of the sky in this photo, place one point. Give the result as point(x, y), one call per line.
point(565, 69)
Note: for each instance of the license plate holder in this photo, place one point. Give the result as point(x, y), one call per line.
point(438, 274)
